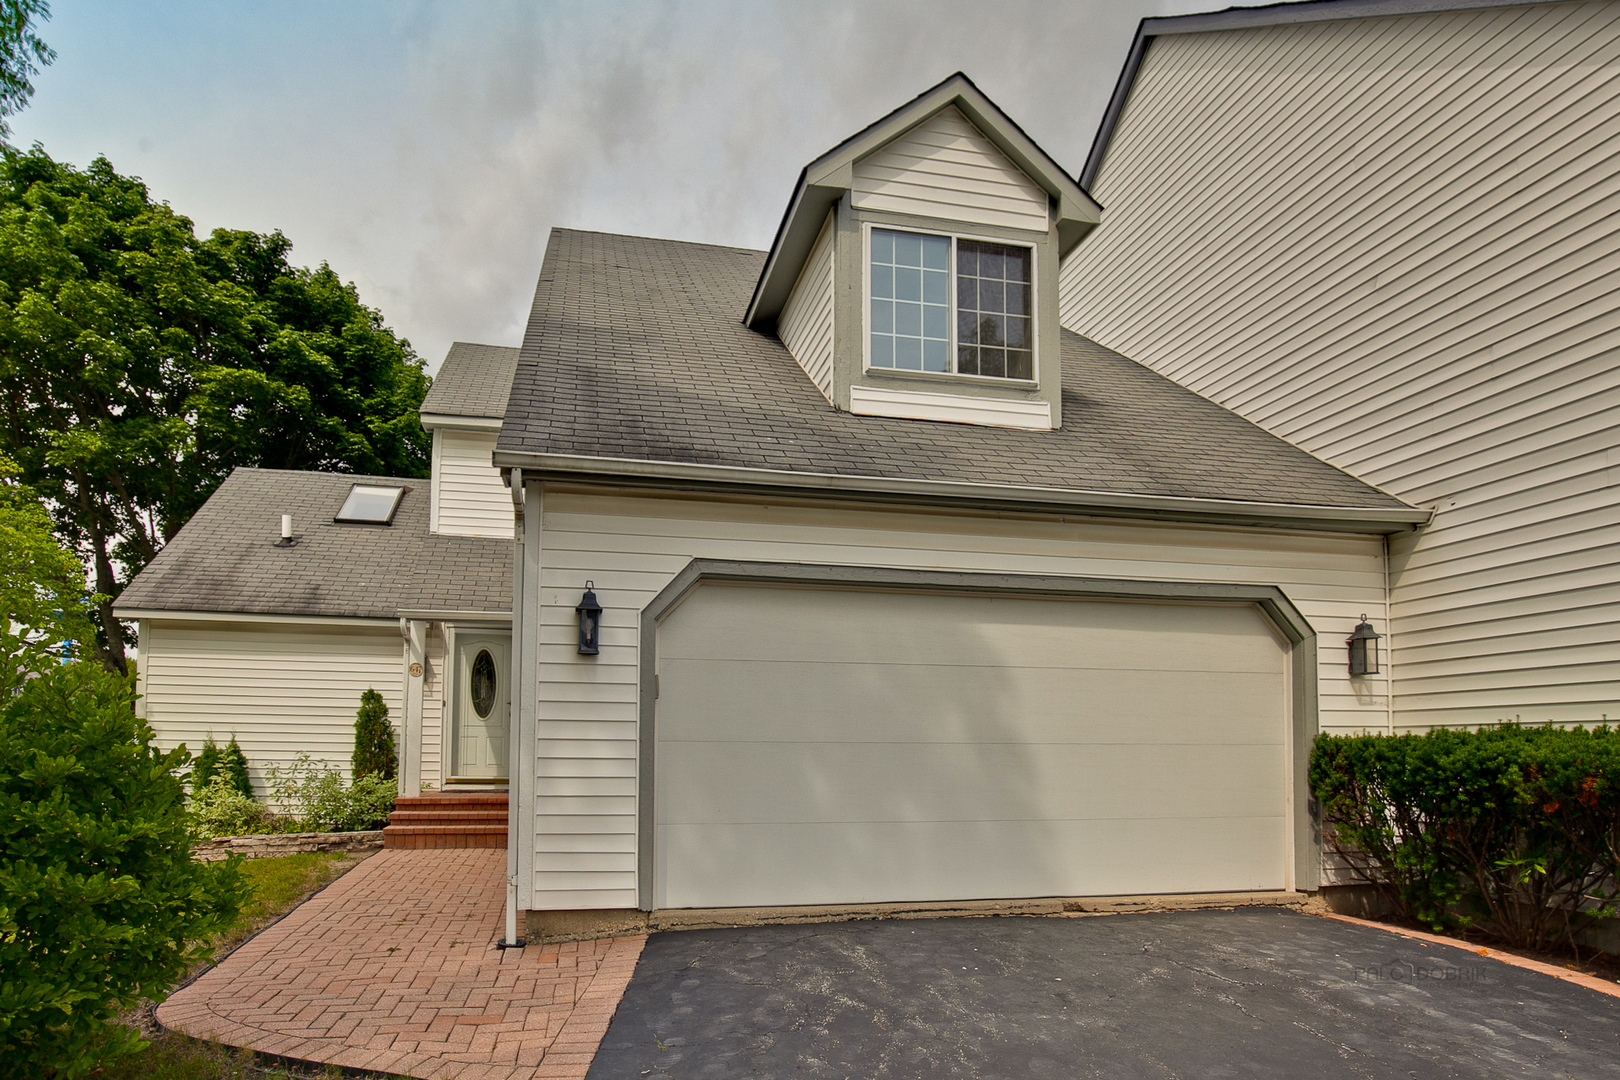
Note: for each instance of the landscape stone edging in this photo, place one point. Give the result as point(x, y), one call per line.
point(270, 845)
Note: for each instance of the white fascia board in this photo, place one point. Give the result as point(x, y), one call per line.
point(499, 618)
point(430, 421)
point(250, 616)
point(950, 408)
point(1045, 499)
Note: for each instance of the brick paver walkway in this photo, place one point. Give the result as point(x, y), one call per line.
point(393, 968)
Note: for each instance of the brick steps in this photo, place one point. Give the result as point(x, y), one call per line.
point(449, 819)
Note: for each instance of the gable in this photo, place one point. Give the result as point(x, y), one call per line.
point(947, 168)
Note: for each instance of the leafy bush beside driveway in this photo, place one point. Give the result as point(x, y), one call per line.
point(1514, 830)
point(101, 904)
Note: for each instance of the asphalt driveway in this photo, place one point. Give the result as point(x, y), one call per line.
point(1246, 993)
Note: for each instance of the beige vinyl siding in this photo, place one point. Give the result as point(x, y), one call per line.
point(806, 324)
point(468, 496)
point(1393, 243)
point(279, 688)
point(585, 799)
point(946, 168)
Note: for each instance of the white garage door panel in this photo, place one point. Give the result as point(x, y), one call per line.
point(770, 865)
point(839, 746)
point(722, 699)
point(833, 625)
point(758, 783)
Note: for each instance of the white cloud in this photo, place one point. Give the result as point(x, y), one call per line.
point(426, 150)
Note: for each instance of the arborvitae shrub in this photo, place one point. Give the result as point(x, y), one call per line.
point(374, 753)
point(205, 765)
point(233, 767)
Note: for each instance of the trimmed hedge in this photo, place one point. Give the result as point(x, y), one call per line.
point(1513, 830)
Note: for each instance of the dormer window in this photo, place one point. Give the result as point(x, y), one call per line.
point(950, 304)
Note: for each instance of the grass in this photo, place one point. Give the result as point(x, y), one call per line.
point(278, 884)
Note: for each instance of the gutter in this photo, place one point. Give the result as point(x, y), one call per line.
point(442, 615)
point(185, 615)
point(697, 477)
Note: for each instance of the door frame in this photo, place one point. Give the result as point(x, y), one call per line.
point(450, 724)
point(1303, 855)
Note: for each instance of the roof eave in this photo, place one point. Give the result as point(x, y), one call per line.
point(431, 420)
point(186, 614)
point(690, 476)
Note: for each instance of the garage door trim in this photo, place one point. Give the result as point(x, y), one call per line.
point(1269, 599)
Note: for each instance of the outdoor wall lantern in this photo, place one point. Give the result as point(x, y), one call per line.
point(1363, 648)
point(590, 621)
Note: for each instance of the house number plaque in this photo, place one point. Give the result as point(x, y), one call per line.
point(416, 671)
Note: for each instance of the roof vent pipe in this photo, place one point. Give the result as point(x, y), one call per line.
point(287, 538)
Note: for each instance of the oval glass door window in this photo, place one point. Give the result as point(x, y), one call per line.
point(483, 684)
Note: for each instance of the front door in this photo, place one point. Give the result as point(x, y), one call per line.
point(483, 706)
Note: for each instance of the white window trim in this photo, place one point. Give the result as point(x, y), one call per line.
point(950, 323)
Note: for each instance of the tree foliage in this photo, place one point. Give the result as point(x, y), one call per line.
point(374, 752)
point(233, 768)
point(205, 766)
point(42, 601)
point(22, 53)
point(101, 904)
point(139, 364)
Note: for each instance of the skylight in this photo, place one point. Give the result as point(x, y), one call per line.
point(371, 504)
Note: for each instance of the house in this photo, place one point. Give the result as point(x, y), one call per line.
point(908, 591)
point(984, 539)
point(1387, 234)
point(385, 582)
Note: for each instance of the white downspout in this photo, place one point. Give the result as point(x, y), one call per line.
point(514, 790)
point(1389, 651)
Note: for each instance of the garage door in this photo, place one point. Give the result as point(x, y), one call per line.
point(821, 746)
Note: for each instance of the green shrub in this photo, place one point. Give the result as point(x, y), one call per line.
point(314, 793)
point(101, 904)
point(374, 753)
point(205, 766)
point(1512, 829)
point(221, 810)
point(233, 767)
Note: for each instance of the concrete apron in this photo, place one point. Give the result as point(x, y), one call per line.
point(548, 927)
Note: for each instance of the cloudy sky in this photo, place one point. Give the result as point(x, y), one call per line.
point(426, 149)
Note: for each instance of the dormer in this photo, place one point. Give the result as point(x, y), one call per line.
point(915, 272)
point(463, 410)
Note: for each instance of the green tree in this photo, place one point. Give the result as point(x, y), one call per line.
point(205, 766)
point(374, 753)
point(139, 364)
point(42, 601)
point(233, 767)
point(21, 54)
point(101, 904)
point(100, 901)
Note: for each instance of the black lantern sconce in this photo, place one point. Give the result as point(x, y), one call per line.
point(1363, 648)
point(590, 621)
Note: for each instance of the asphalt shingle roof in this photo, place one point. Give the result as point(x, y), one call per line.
point(474, 380)
point(635, 349)
point(225, 558)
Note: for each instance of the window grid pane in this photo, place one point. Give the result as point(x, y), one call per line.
point(993, 320)
point(910, 300)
